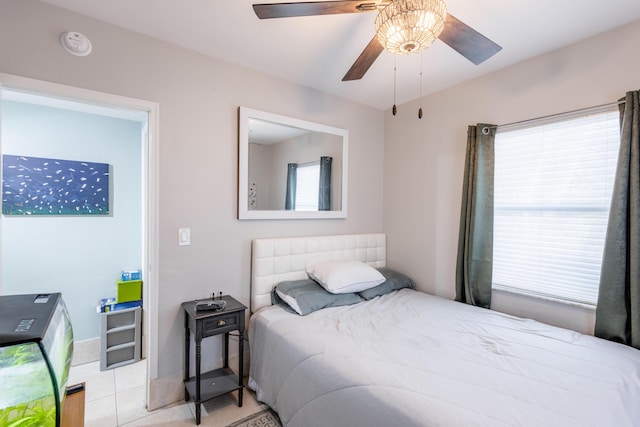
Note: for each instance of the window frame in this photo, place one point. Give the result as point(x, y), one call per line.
point(608, 111)
point(313, 185)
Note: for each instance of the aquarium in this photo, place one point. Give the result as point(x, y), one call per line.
point(36, 344)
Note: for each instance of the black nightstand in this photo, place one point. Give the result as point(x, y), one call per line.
point(203, 324)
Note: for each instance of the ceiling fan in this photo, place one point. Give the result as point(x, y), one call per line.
point(459, 36)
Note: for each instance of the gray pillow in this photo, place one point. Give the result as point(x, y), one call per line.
point(394, 281)
point(306, 296)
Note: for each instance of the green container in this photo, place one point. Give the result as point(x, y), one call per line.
point(129, 290)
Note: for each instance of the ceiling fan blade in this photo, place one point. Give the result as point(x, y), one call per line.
point(364, 61)
point(288, 10)
point(467, 41)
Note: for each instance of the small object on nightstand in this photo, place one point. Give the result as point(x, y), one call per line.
point(213, 305)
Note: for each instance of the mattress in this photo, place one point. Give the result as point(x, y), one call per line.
point(412, 359)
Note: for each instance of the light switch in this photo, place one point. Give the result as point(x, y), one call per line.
point(184, 236)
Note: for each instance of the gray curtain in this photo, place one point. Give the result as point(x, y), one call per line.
point(292, 179)
point(618, 310)
point(474, 266)
point(324, 195)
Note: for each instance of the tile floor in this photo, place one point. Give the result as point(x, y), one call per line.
point(116, 397)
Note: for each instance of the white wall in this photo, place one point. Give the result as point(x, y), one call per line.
point(424, 159)
point(199, 99)
point(81, 256)
point(259, 166)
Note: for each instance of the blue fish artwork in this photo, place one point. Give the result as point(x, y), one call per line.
point(40, 186)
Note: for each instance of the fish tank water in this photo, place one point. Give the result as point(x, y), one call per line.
point(36, 345)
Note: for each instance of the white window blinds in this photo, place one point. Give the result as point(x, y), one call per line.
point(553, 184)
point(307, 186)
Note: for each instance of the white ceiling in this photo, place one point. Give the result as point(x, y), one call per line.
point(263, 132)
point(317, 51)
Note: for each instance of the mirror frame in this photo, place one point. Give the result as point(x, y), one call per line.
point(243, 166)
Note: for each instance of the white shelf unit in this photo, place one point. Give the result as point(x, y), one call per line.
point(120, 337)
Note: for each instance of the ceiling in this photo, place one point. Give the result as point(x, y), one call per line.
point(263, 132)
point(317, 51)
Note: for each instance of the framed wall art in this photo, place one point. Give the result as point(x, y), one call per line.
point(43, 186)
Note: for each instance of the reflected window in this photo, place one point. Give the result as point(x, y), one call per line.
point(307, 187)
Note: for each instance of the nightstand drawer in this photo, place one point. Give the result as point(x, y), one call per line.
point(220, 324)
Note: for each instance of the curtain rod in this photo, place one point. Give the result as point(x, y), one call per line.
point(485, 130)
point(308, 163)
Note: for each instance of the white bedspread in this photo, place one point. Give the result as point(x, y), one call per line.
point(412, 359)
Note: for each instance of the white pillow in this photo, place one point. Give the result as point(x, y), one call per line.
point(340, 277)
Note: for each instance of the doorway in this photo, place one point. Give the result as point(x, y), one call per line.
point(134, 209)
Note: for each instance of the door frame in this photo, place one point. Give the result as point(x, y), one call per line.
point(150, 190)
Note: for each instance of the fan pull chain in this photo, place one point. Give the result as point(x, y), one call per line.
point(394, 109)
point(420, 109)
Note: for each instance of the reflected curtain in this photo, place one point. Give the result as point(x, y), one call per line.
point(292, 179)
point(474, 266)
point(324, 193)
point(618, 309)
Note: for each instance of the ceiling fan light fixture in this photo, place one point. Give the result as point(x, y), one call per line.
point(410, 26)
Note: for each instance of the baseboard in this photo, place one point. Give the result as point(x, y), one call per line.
point(86, 351)
point(165, 391)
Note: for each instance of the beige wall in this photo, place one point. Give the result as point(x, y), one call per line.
point(199, 99)
point(424, 159)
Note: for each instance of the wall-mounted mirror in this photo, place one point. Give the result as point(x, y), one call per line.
point(290, 168)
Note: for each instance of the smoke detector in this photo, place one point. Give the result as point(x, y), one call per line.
point(76, 43)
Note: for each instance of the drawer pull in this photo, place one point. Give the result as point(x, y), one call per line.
point(222, 322)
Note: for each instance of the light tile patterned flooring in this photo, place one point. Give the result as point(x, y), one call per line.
point(116, 397)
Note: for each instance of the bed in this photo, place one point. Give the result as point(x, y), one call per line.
point(407, 358)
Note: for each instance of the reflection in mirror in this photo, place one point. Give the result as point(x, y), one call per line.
point(290, 168)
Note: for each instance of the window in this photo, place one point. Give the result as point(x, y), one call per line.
point(307, 186)
point(553, 185)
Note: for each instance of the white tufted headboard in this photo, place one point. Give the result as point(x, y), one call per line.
point(279, 259)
